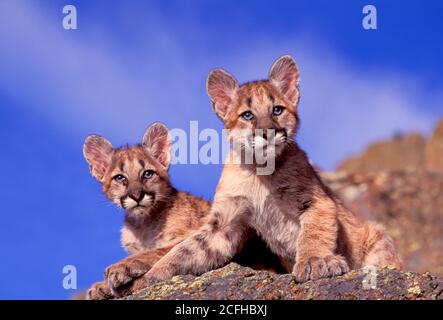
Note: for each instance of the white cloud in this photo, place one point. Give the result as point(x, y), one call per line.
point(80, 82)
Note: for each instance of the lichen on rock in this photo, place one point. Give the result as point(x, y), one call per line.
point(234, 282)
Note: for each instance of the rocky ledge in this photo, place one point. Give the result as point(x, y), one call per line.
point(236, 282)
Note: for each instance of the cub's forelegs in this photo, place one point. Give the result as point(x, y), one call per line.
point(316, 243)
point(134, 266)
point(211, 247)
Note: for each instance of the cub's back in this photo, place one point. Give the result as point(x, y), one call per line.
point(187, 214)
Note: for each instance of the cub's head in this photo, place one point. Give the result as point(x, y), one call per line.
point(259, 112)
point(135, 178)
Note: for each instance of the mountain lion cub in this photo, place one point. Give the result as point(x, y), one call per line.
point(298, 217)
point(157, 216)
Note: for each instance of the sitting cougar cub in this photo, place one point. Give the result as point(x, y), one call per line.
point(157, 216)
point(299, 218)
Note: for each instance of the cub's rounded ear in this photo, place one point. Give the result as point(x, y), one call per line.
point(284, 75)
point(222, 89)
point(158, 142)
point(98, 153)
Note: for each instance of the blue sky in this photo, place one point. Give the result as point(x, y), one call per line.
point(135, 62)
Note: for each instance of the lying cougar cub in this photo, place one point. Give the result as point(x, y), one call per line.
point(298, 217)
point(157, 216)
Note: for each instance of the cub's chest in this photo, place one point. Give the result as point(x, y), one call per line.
point(288, 199)
point(135, 240)
point(275, 216)
point(292, 199)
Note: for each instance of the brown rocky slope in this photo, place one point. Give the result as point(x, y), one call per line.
point(399, 183)
point(403, 151)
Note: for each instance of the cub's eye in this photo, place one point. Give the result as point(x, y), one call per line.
point(148, 174)
point(278, 110)
point(120, 178)
point(247, 115)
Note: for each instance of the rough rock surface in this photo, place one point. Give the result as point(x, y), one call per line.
point(236, 282)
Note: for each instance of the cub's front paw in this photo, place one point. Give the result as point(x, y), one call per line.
point(99, 291)
point(315, 268)
point(123, 272)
